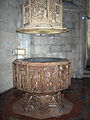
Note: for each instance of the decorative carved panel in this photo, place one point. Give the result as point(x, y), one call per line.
point(49, 78)
point(22, 77)
point(38, 12)
point(15, 74)
point(34, 78)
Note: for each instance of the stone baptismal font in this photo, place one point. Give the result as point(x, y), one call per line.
point(42, 79)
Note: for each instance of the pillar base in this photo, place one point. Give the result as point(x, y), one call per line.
point(43, 106)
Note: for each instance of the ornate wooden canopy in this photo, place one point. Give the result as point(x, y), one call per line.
point(42, 16)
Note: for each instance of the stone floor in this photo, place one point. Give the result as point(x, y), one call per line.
point(78, 93)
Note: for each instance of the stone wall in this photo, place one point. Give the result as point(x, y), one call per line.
point(82, 3)
point(69, 45)
point(88, 35)
point(8, 41)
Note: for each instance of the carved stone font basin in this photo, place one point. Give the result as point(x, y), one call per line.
point(42, 79)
